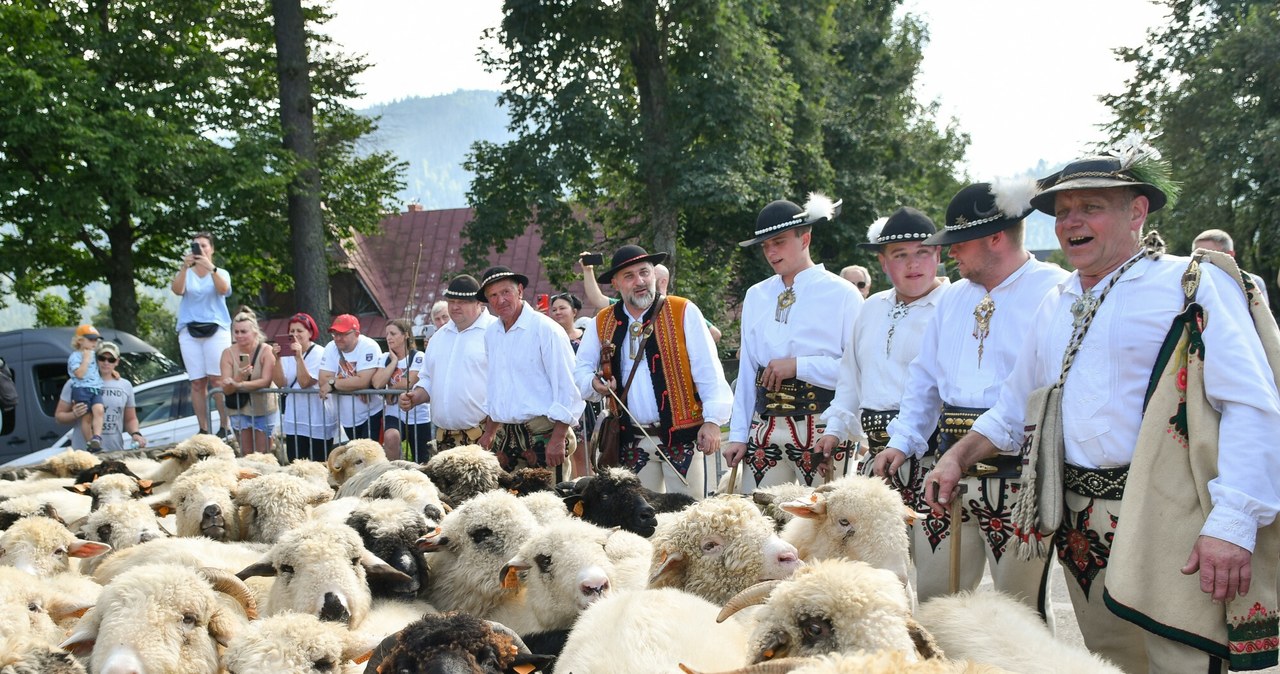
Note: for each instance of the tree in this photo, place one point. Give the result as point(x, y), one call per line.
point(676, 122)
point(155, 325)
point(127, 126)
point(1207, 89)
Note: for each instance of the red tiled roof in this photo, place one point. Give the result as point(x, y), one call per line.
point(385, 262)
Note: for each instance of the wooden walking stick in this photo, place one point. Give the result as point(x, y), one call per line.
point(957, 511)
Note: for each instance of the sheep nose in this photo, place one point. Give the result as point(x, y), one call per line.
point(595, 587)
point(145, 536)
point(333, 610)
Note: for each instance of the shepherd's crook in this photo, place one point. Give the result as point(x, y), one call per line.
point(657, 447)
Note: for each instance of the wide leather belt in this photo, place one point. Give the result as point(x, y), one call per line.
point(1105, 483)
point(875, 425)
point(795, 398)
point(955, 423)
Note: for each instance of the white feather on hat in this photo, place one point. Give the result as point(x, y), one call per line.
point(873, 232)
point(819, 206)
point(1013, 195)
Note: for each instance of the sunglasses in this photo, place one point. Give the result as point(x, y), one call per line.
point(860, 284)
point(106, 359)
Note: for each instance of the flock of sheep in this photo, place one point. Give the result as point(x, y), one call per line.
point(203, 563)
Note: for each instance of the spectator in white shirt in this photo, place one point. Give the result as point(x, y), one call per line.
point(348, 364)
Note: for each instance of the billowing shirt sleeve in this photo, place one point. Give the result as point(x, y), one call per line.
point(744, 389)
point(917, 417)
point(842, 417)
point(704, 363)
point(824, 370)
point(587, 362)
point(566, 403)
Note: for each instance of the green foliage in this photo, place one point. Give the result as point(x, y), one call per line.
point(1208, 88)
point(674, 123)
point(127, 126)
point(155, 325)
point(54, 310)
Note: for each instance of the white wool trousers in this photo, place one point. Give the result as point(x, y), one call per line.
point(779, 451)
point(658, 474)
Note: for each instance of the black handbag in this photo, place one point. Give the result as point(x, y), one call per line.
point(202, 330)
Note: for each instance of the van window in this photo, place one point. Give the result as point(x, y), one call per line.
point(140, 367)
point(49, 379)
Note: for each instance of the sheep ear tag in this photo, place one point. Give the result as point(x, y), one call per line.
point(511, 578)
point(577, 509)
point(525, 668)
point(362, 658)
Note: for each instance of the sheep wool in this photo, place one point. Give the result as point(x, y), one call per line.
point(293, 643)
point(461, 473)
point(474, 543)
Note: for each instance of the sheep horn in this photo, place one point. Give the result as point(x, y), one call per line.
point(752, 596)
point(224, 581)
point(783, 666)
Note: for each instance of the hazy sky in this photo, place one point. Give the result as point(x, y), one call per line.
point(1022, 76)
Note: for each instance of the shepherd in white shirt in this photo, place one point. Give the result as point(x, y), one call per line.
point(886, 337)
point(795, 326)
point(969, 347)
point(532, 399)
point(455, 368)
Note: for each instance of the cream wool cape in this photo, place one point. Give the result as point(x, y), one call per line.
point(1166, 501)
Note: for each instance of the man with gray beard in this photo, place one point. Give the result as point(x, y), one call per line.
point(665, 369)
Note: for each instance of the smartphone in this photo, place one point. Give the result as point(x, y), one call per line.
point(286, 344)
point(244, 359)
point(592, 259)
point(196, 249)
point(544, 302)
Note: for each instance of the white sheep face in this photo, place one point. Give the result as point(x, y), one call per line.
point(43, 547)
point(293, 643)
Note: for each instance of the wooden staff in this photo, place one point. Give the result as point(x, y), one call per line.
point(957, 511)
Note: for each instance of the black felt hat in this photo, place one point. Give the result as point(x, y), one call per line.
point(1099, 172)
point(983, 209)
point(625, 257)
point(499, 273)
point(462, 287)
point(782, 215)
point(906, 224)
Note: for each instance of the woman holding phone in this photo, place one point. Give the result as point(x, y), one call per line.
point(248, 365)
point(309, 423)
point(204, 324)
point(400, 374)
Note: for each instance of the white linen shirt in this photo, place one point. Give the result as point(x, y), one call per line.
point(946, 371)
point(818, 327)
point(454, 371)
point(353, 410)
point(531, 371)
point(870, 378)
point(1103, 396)
point(704, 364)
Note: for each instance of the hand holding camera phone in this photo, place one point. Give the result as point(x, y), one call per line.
point(245, 368)
point(196, 249)
point(591, 259)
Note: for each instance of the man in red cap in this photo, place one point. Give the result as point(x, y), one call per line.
point(665, 370)
point(348, 364)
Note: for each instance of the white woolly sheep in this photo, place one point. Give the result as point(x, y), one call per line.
point(162, 618)
point(547, 507)
point(18, 507)
point(829, 606)
point(994, 628)
point(261, 462)
point(194, 552)
point(189, 452)
point(321, 569)
point(461, 473)
point(68, 464)
point(410, 486)
point(651, 632)
point(113, 488)
point(201, 500)
point(717, 548)
point(294, 643)
point(121, 526)
point(347, 460)
point(19, 655)
point(271, 505)
point(43, 547)
point(566, 567)
point(34, 609)
point(474, 543)
point(880, 662)
point(858, 518)
point(312, 471)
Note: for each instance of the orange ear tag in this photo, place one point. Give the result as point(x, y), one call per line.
point(577, 509)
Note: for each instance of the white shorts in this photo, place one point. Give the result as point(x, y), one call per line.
point(202, 356)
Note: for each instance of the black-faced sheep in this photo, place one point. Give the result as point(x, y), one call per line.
point(162, 618)
point(43, 547)
point(390, 529)
point(833, 606)
point(615, 498)
point(104, 468)
point(566, 567)
point(293, 643)
point(994, 628)
point(770, 500)
point(525, 481)
point(321, 569)
point(463, 472)
point(271, 505)
point(474, 544)
point(18, 507)
point(717, 548)
point(651, 632)
point(20, 657)
point(455, 643)
point(858, 518)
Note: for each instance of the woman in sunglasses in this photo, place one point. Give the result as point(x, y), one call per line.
point(120, 417)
